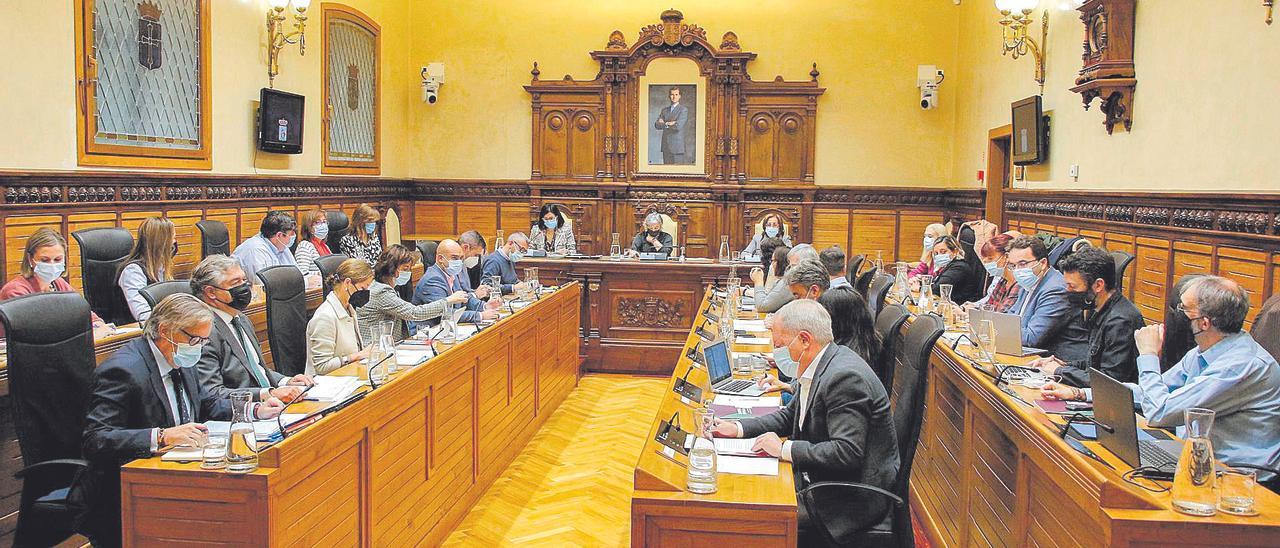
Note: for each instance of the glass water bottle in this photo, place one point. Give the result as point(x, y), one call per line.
point(242, 443)
point(724, 249)
point(499, 241)
point(901, 287)
point(702, 457)
point(615, 248)
point(1194, 491)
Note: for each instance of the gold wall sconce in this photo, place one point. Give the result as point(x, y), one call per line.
point(1270, 5)
point(277, 37)
point(1015, 18)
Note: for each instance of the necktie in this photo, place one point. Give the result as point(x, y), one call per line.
point(180, 394)
point(251, 354)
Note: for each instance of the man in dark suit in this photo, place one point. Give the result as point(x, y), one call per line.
point(839, 424)
point(473, 246)
point(448, 275)
point(147, 397)
point(233, 357)
point(671, 121)
point(502, 262)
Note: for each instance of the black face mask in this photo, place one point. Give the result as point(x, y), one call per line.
point(241, 296)
point(655, 233)
point(359, 298)
point(1082, 299)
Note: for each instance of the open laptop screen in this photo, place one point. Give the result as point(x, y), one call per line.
point(717, 355)
point(1113, 406)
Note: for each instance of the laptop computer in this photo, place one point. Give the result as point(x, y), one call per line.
point(1008, 332)
point(721, 374)
point(1113, 407)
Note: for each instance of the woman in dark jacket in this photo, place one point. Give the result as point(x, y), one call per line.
point(949, 262)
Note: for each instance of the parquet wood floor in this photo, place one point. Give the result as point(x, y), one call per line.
point(571, 485)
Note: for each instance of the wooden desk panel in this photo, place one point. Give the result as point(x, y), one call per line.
point(635, 314)
point(744, 511)
point(402, 466)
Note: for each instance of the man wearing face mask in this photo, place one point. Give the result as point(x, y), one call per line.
point(1109, 318)
point(781, 292)
point(270, 246)
point(839, 426)
point(1227, 372)
point(448, 275)
point(147, 396)
point(1042, 297)
point(233, 358)
point(473, 248)
point(652, 239)
point(502, 262)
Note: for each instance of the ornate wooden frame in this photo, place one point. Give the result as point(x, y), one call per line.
point(331, 11)
point(756, 131)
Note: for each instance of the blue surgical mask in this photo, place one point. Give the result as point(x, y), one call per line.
point(370, 228)
point(455, 267)
point(786, 365)
point(994, 269)
point(321, 231)
point(403, 277)
point(552, 224)
point(186, 355)
point(771, 231)
point(929, 241)
point(515, 256)
point(47, 272)
point(292, 239)
point(1026, 278)
point(941, 260)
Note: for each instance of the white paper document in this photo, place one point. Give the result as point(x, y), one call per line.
point(753, 340)
point(747, 401)
point(332, 388)
point(408, 357)
point(747, 466)
point(750, 326)
point(740, 447)
point(263, 430)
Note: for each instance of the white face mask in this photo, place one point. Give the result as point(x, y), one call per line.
point(471, 262)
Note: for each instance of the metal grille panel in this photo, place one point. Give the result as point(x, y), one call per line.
point(352, 67)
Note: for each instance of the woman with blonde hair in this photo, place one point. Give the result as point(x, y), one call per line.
point(44, 261)
point(151, 261)
point(313, 227)
point(361, 241)
point(333, 335)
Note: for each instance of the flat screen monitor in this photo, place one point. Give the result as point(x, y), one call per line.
point(1029, 132)
point(717, 356)
point(280, 122)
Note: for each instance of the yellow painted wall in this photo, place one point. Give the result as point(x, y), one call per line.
point(1205, 110)
point(37, 97)
point(870, 131)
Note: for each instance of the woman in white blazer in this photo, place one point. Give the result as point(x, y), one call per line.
point(333, 338)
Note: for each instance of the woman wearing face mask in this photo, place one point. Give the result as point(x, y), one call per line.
point(950, 267)
point(333, 337)
point(1003, 291)
point(551, 234)
point(361, 242)
point(652, 239)
point(151, 261)
point(771, 227)
point(313, 228)
point(932, 234)
point(44, 261)
point(393, 270)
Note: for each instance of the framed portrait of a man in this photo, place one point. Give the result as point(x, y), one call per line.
point(673, 128)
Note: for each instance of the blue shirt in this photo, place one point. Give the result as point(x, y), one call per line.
point(1238, 380)
point(840, 281)
point(258, 253)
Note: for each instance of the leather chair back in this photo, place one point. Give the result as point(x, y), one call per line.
point(214, 238)
point(878, 292)
point(1123, 261)
point(863, 284)
point(328, 265)
point(910, 383)
point(286, 295)
point(156, 292)
point(853, 266)
point(339, 225)
point(102, 252)
point(428, 250)
point(889, 327)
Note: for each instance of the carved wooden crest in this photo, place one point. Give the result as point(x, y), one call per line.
point(650, 312)
point(672, 31)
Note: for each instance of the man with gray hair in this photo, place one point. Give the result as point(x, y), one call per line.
point(147, 396)
point(502, 262)
point(652, 239)
point(233, 358)
point(839, 426)
point(781, 292)
point(808, 280)
point(1227, 372)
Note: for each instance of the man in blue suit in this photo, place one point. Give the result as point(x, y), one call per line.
point(1042, 302)
point(448, 275)
point(502, 262)
point(671, 121)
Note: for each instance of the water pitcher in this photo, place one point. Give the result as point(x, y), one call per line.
point(1193, 483)
point(242, 444)
point(900, 284)
point(702, 457)
point(724, 249)
point(615, 248)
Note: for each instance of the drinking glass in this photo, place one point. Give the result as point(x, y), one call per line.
point(213, 456)
point(1236, 491)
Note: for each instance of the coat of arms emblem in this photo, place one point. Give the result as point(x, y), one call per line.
point(353, 87)
point(150, 54)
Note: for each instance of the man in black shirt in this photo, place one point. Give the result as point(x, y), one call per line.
point(1110, 318)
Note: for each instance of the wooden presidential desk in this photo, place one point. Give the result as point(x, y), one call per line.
point(744, 511)
point(991, 469)
point(635, 314)
point(399, 467)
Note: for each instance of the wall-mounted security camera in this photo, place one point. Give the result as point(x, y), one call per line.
point(432, 79)
point(928, 78)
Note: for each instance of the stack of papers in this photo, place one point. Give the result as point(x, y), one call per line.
point(409, 357)
point(267, 430)
point(753, 340)
point(738, 447)
point(332, 388)
point(747, 466)
point(751, 326)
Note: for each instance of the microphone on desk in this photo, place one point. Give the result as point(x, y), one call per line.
point(1000, 378)
point(280, 418)
point(373, 386)
point(1081, 417)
